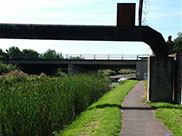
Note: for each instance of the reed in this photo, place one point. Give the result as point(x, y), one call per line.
point(37, 106)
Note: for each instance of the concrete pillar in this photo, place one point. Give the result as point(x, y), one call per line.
point(78, 69)
point(160, 79)
point(70, 69)
point(178, 87)
point(75, 69)
point(141, 70)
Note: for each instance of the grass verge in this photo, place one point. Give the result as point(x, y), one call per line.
point(170, 114)
point(102, 118)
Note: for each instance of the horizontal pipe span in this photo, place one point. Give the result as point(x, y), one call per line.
point(81, 32)
point(69, 32)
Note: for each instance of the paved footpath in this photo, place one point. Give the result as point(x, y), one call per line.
point(138, 118)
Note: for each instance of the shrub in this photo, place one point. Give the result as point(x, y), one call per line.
point(5, 68)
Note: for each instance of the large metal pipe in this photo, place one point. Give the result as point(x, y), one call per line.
point(140, 12)
point(97, 33)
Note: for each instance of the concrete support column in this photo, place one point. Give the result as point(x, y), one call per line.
point(78, 69)
point(160, 79)
point(178, 87)
point(141, 70)
point(74, 69)
point(70, 69)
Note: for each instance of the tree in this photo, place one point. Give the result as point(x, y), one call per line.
point(30, 54)
point(51, 54)
point(76, 58)
point(2, 54)
point(178, 43)
point(14, 53)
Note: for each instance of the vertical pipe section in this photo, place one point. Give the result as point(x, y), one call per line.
point(140, 12)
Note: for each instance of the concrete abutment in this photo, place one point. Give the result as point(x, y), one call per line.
point(178, 79)
point(141, 70)
point(160, 78)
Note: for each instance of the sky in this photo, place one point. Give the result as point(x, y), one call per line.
point(162, 15)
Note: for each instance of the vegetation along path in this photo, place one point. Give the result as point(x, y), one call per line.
point(138, 118)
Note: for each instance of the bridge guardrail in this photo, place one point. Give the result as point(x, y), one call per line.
point(106, 56)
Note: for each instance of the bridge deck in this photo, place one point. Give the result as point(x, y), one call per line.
point(67, 61)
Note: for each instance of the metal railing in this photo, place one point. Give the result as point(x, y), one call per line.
point(106, 56)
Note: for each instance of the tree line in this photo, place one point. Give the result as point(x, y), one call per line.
point(178, 43)
point(15, 53)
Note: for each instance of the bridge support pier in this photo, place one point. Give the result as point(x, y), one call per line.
point(70, 69)
point(76, 69)
point(141, 70)
point(160, 79)
point(178, 78)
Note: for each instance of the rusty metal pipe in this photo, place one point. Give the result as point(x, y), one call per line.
point(97, 33)
point(140, 12)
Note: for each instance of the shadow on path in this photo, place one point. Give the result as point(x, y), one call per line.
point(137, 108)
point(167, 107)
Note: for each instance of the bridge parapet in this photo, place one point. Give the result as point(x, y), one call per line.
point(105, 56)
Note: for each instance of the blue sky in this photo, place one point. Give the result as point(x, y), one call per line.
point(163, 15)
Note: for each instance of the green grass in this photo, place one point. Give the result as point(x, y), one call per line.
point(171, 116)
point(146, 84)
point(102, 118)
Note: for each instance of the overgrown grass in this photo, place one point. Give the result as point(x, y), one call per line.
point(170, 114)
point(37, 106)
point(103, 118)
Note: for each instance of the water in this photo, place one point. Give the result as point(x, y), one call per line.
point(122, 79)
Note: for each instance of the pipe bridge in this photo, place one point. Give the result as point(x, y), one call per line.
point(161, 67)
point(83, 32)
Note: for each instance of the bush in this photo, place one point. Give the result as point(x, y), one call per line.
point(5, 68)
point(127, 71)
point(107, 72)
point(37, 106)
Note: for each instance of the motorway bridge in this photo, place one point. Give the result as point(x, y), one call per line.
point(78, 63)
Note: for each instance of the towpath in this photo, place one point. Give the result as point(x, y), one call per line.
point(138, 118)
